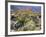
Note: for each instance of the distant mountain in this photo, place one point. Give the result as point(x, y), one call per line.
point(33, 8)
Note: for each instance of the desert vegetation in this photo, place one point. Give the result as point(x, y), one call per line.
point(25, 20)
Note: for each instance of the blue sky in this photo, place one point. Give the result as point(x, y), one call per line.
point(33, 8)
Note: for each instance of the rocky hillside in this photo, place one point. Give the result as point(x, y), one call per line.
point(25, 20)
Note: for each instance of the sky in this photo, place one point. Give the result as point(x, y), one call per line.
point(33, 8)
